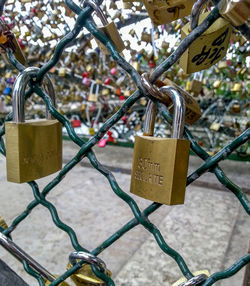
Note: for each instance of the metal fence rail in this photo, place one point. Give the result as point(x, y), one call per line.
point(210, 164)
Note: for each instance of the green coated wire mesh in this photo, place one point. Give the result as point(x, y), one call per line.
point(210, 163)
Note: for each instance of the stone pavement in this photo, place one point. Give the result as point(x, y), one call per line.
point(210, 230)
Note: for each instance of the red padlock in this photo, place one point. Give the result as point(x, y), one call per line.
point(125, 119)
point(21, 44)
point(151, 64)
point(75, 121)
point(110, 136)
point(107, 80)
point(85, 74)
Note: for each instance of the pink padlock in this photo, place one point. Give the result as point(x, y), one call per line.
point(21, 44)
point(102, 142)
point(86, 81)
point(113, 71)
point(92, 108)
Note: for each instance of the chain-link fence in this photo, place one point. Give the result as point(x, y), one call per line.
point(141, 217)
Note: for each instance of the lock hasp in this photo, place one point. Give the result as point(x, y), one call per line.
point(33, 149)
point(159, 170)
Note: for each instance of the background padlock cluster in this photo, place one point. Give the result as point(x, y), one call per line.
point(90, 86)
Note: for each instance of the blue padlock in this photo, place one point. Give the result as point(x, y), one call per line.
point(7, 91)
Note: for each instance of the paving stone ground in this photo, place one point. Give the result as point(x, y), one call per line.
point(211, 230)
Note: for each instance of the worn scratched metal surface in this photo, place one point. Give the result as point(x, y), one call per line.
point(140, 216)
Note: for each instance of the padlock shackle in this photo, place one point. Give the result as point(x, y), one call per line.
point(179, 110)
point(21, 255)
point(88, 258)
point(93, 83)
point(178, 117)
point(18, 100)
point(153, 90)
point(197, 280)
point(195, 13)
point(98, 11)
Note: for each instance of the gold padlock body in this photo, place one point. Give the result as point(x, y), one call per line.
point(91, 131)
point(159, 170)
point(196, 86)
point(3, 223)
point(111, 31)
point(235, 11)
point(207, 49)
point(93, 97)
point(193, 112)
point(145, 37)
point(196, 273)
point(163, 12)
point(236, 87)
point(18, 52)
point(85, 276)
point(215, 126)
point(33, 149)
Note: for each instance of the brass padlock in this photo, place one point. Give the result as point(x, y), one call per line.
point(199, 277)
point(217, 84)
point(235, 107)
point(196, 84)
point(146, 37)
point(193, 112)
point(215, 126)
point(62, 72)
point(93, 96)
point(34, 147)
point(163, 12)
point(3, 223)
point(236, 87)
point(109, 29)
point(159, 170)
point(85, 276)
point(207, 49)
point(235, 11)
point(91, 131)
